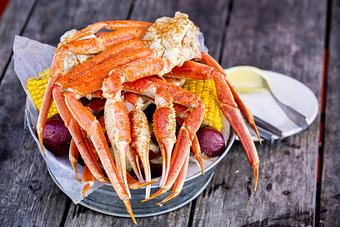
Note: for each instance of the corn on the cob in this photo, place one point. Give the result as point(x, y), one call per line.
point(36, 86)
point(206, 90)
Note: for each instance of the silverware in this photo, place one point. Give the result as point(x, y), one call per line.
point(266, 135)
point(269, 128)
point(298, 118)
point(248, 79)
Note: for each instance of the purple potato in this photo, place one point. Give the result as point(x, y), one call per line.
point(211, 141)
point(56, 137)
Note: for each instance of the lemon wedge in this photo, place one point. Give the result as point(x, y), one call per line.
point(247, 79)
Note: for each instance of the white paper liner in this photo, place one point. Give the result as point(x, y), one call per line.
point(30, 58)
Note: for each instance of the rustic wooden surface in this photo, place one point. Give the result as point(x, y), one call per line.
point(284, 36)
point(330, 187)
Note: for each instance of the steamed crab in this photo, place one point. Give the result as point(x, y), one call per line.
point(122, 65)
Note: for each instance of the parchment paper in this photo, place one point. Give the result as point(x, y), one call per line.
point(30, 58)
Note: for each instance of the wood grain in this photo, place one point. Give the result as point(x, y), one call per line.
point(12, 22)
point(29, 196)
point(330, 181)
point(284, 36)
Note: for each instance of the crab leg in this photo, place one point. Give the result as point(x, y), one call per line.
point(77, 135)
point(244, 110)
point(148, 86)
point(73, 156)
point(55, 72)
point(57, 69)
point(118, 127)
point(196, 150)
point(178, 185)
point(79, 70)
point(116, 114)
point(98, 44)
point(140, 134)
point(132, 158)
point(181, 113)
point(92, 80)
point(135, 184)
point(87, 179)
point(93, 129)
point(110, 25)
point(97, 106)
point(228, 106)
point(182, 147)
point(164, 125)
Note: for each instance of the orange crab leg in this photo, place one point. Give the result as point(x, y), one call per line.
point(92, 80)
point(147, 86)
point(231, 112)
point(185, 137)
point(98, 44)
point(87, 179)
point(79, 70)
point(135, 184)
point(55, 72)
point(110, 25)
point(140, 134)
point(77, 135)
point(243, 108)
point(164, 125)
point(93, 129)
point(132, 157)
point(228, 106)
point(182, 112)
point(196, 150)
point(118, 127)
point(73, 156)
point(178, 185)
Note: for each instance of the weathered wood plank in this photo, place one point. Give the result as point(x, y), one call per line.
point(211, 20)
point(330, 182)
point(12, 22)
point(284, 36)
point(29, 196)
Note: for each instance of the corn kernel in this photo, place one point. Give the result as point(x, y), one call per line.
point(206, 90)
point(36, 86)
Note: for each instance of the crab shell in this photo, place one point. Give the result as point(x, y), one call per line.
point(127, 58)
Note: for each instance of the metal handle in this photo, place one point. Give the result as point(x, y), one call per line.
point(298, 118)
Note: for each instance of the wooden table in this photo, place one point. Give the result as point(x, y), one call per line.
point(300, 176)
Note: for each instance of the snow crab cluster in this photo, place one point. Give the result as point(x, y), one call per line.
point(125, 65)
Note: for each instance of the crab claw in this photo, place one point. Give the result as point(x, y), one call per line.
point(164, 125)
point(178, 185)
point(87, 179)
point(117, 124)
point(73, 156)
point(140, 134)
point(91, 126)
point(196, 149)
point(229, 101)
point(135, 184)
point(182, 112)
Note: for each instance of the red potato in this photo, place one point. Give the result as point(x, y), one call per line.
point(56, 137)
point(211, 141)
